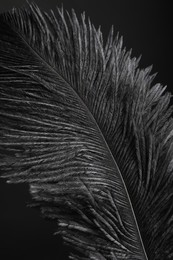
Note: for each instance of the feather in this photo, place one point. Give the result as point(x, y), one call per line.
point(85, 127)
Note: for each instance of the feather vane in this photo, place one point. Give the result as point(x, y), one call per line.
point(83, 125)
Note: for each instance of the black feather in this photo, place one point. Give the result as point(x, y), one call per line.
point(83, 125)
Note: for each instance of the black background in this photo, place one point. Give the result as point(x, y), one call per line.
point(146, 28)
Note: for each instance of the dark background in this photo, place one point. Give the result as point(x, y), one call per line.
point(146, 28)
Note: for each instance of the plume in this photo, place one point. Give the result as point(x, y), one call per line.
point(89, 132)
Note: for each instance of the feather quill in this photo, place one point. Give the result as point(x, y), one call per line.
point(83, 125)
